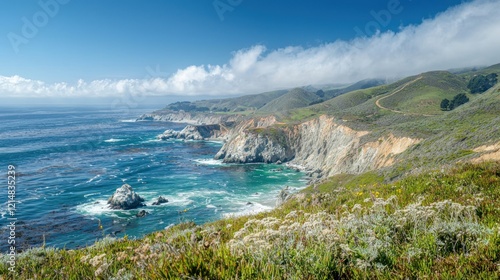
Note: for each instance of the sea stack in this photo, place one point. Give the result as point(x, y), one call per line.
point(160, 200)
point(125, 198)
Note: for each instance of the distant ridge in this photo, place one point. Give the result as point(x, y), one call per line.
point(272, 101)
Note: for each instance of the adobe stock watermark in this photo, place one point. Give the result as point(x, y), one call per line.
point(11, 214)
point(31, 26)
point(381, 18)
point(223, 6)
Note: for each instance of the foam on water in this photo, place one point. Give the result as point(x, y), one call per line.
point(113, 140)
point(179, 201)
point(151, 141)
point(209, 161)
point(91, 194)
point(252, 209)
point(93, 178)
point(95, 208)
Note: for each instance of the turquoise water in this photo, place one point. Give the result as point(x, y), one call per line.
point(69, 161)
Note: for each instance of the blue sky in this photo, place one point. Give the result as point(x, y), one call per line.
point(192, 47)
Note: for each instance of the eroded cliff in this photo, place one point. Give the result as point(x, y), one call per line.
point(188, 117)
point(322, 146)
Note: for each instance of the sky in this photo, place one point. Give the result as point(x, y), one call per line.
point(70, 49)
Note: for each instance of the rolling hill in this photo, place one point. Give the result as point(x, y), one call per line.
point(236, 104)
point(296, 98)
point(412, 97)
point(268, 102)
point(424, 95)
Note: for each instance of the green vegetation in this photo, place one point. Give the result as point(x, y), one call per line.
point(369, 83)
point(463, 129)
point(435, 225)
point(295, 98)
point(424, 96)
point(234, 105)
point(459, 99)
point(187, 106)
point(482, 83)
point(274, 102)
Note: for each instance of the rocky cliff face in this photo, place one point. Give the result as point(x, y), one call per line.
point(198, 132)
point(321, 146)
point(187, 117)
point(246, 145)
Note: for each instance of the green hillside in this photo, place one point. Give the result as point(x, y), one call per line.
point(268, 102)
point(453, 136)
point(405, 100)
point(369, 83)
point(295, 98)
point(344, 104)
point(236, 104)
point(425, 95)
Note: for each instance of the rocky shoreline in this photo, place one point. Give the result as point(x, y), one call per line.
point(322, 147)
point(198, 132)
point(189, 118)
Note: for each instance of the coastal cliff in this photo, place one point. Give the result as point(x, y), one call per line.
point(321, 146)
point(189, 117)
point(199, 132)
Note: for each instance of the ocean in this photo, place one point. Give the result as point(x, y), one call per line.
point(69, 161)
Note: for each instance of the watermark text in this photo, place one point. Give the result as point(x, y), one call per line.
point(11, 213)
point(381, 18)
point(224, 6)
point(31, 26)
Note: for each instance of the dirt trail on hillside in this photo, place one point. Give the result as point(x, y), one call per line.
point(396, 92)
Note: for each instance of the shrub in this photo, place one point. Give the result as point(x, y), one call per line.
point(482, 83)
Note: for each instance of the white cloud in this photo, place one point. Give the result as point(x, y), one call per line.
point(466, 35)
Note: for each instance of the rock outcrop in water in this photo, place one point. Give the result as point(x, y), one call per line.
point(142, 213)
point(160, 200)
point(125, 198)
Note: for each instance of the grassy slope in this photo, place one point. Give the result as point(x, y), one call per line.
point(421, 97)
point(425, 95)
point(452, 136)
point(329, 94)
point(247, 102)
point(342, 103)
point(295, 98)
point(358, 108)
point(435, 225)
point(274, 101)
